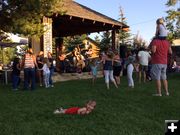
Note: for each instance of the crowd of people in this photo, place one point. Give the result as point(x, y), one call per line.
point(148, 62)
point(112, 65)
point(31, 64)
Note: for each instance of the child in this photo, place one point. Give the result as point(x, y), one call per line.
point(88, 108)
point(16, 73)
point(94, 65)
point(161, 31)
point(46, 72)
point(130, 69)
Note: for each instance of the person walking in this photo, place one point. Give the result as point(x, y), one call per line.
point(108, 69)
point(130, 69)
point(117, 67)
point(143, 57)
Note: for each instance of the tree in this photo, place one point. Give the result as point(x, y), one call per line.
point(124, 35)
point(25, 16)
point(96, 39)
point(138, 41)
point(173, 19)
point(105, 41)
point(72, 42)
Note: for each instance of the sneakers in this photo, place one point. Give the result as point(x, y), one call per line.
point(157, 95)
point(59, 111)
point(52, 86)
point(167, 94)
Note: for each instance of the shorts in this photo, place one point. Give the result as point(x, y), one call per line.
point(143, 68)
point(158, 71)
point(73, 110)
point(116, 70)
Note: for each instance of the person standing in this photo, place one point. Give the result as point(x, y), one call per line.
point(160, 49)
point(143, 57)
point(51, 68)
point(16, 73)
point(39, 60)
point(29, 63)
point(94, 65)
point(46, 72)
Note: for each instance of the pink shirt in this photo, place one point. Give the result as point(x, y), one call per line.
point(161, 54)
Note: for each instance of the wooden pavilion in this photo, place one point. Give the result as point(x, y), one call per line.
point(77, 19)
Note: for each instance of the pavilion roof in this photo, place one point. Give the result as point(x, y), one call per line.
point(75, 9)
point(79, 19)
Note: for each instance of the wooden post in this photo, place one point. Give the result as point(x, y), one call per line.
point(113, 39)
point(47, 36)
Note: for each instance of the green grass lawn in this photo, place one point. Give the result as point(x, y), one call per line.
point(120, 111)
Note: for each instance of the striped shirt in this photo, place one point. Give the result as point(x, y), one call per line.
point(29, 61)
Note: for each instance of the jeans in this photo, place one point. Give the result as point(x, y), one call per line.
point(46, 79)
point(29, 78)
point(130, 69)
point(15, 81)
point(108, 74)
point(50, 77)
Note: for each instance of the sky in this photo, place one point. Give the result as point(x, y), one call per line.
point(141, 15)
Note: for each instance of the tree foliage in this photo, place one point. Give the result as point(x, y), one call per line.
point(173, 19)
point(105, 41)
point(124, 35)
point(97, 39)
point(25, 16)
point(72, 42)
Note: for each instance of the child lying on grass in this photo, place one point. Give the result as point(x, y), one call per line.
point(89, 107)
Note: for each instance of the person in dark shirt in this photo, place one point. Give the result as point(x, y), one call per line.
point(16, 73)
point(51, 68)
point(39, 60)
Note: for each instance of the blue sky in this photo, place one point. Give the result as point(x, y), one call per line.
point(141, 14)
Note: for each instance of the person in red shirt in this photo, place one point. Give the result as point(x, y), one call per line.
point(160, 49)
point(88, 108)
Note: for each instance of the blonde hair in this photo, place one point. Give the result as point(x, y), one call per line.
point(46, 61)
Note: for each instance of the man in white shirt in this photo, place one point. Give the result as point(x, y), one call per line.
point(144, 58)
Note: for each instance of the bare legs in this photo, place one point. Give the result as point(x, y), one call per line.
point(117, 78)
point(158, 86)
point(140, 76)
